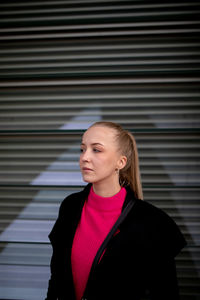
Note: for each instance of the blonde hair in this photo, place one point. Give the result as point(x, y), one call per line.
point(130, 174)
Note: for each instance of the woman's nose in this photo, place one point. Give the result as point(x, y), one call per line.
point(85, 156)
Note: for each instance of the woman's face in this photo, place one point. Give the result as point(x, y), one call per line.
point(99, 157)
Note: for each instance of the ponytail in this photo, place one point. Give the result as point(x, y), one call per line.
point(130, 174)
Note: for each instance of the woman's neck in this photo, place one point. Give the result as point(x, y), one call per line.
point(106, 190)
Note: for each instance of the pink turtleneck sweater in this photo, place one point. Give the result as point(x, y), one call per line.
point(98, 216)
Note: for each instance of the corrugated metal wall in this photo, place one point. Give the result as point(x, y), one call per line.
point(66, 64)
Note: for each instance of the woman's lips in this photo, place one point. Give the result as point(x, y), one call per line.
point(87, 169)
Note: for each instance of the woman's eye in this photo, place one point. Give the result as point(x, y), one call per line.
point(94, 150)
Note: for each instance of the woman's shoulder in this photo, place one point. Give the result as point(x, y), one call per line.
point(74, 200)
point(151, 211)
point(67, 212)
point(160, 225)
point(153, 216)
point(145, 210)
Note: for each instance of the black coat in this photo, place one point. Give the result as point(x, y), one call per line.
point(138, 260)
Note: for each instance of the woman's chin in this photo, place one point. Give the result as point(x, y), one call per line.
point(87, 179)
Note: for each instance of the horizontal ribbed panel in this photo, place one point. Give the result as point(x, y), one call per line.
point(92, 56)
point(66, 64)
point(139, 109)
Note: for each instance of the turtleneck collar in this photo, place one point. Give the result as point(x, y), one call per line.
point(106, 203)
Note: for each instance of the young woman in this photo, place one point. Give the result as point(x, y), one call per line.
point(108, 244)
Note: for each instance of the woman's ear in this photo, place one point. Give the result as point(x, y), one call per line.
point(122, 162)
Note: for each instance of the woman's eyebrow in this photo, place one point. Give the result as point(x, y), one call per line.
point(93, 144)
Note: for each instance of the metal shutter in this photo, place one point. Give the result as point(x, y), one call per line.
point(66, 64)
